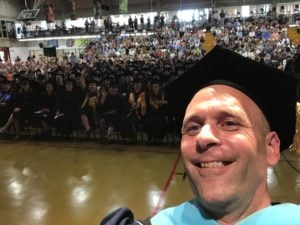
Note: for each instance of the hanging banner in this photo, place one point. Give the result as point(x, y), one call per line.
point(123, 6)
point(49, 13)
point(72, 9)
point(97, 8)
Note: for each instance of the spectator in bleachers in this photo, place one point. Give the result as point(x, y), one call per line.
point(130, 23)
point(86, 24)
point(148, 23)
point(73, 58)
point(142, 22)
point(135, 23)
point(162, 20)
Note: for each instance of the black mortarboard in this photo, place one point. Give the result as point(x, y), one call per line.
point(40, 77)
point(3, 79)
point(24, 79)
point(93, 81)
point(113, 84)
point(59, 72)
point(138, 79)
point(70, 80)
point(50, 81)
point(274, 91)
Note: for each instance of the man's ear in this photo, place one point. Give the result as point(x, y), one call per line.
point(273, 148)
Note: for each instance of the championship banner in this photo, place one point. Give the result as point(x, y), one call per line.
point(123, 6)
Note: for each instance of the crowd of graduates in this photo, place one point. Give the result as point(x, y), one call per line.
point(99, 96)
point(82, 101)
point(117, 84)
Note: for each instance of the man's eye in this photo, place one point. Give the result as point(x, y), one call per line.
point(192, 130)
point(230, 125)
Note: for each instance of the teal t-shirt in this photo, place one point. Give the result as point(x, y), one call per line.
point(190, 213)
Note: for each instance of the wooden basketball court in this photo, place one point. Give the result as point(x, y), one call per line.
point(76, 183)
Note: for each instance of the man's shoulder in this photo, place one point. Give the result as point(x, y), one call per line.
point(184, 214)
point(280, 214)
point(284, 208)
point(191, 213)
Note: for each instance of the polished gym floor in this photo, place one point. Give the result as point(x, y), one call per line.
point(78, 183)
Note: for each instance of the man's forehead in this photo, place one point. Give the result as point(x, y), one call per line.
point(222, 95)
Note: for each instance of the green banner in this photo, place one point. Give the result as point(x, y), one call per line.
point(79, 42)
point(123, 6)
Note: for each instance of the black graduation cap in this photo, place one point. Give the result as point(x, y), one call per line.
point(59, 72)
point(70, 80)
point(24, 80)
point(17, 76)
point(274, 91)
point(50, 81)
point(155, 79)
point(40, 77)
point(2, 79)
point(93, 81)
point(138, 79)
point(113, 84)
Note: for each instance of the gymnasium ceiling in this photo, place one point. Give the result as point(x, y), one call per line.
point(85, 8)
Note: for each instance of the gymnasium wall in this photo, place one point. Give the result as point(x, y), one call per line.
point(9, 9)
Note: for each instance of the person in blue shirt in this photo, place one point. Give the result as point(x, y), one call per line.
point(237, 115)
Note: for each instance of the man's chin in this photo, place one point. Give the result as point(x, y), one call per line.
point(215, 205)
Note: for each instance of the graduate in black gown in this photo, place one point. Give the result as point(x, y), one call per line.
point(67, 118)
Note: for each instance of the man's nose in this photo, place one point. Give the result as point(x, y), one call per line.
point(207, 137)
